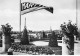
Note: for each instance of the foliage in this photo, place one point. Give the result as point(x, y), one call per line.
point(44, 35)
point(34, 50)
point(0, 43)
point(53, 40)
point(6, 29)
point(24, 38)
point(69, 30)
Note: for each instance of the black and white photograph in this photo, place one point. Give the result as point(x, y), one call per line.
point(39, 27)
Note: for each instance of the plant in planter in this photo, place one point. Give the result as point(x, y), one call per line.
point(6, 36)
point(69, 31)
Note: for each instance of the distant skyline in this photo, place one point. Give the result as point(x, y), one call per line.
point(64, 10)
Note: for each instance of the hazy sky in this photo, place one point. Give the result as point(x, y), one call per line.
point(64, 10)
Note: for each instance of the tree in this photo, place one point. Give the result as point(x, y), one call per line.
point(53, 40)
point(24, 39)
point(44, 35)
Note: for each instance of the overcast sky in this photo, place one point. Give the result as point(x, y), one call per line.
point(64, 10)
